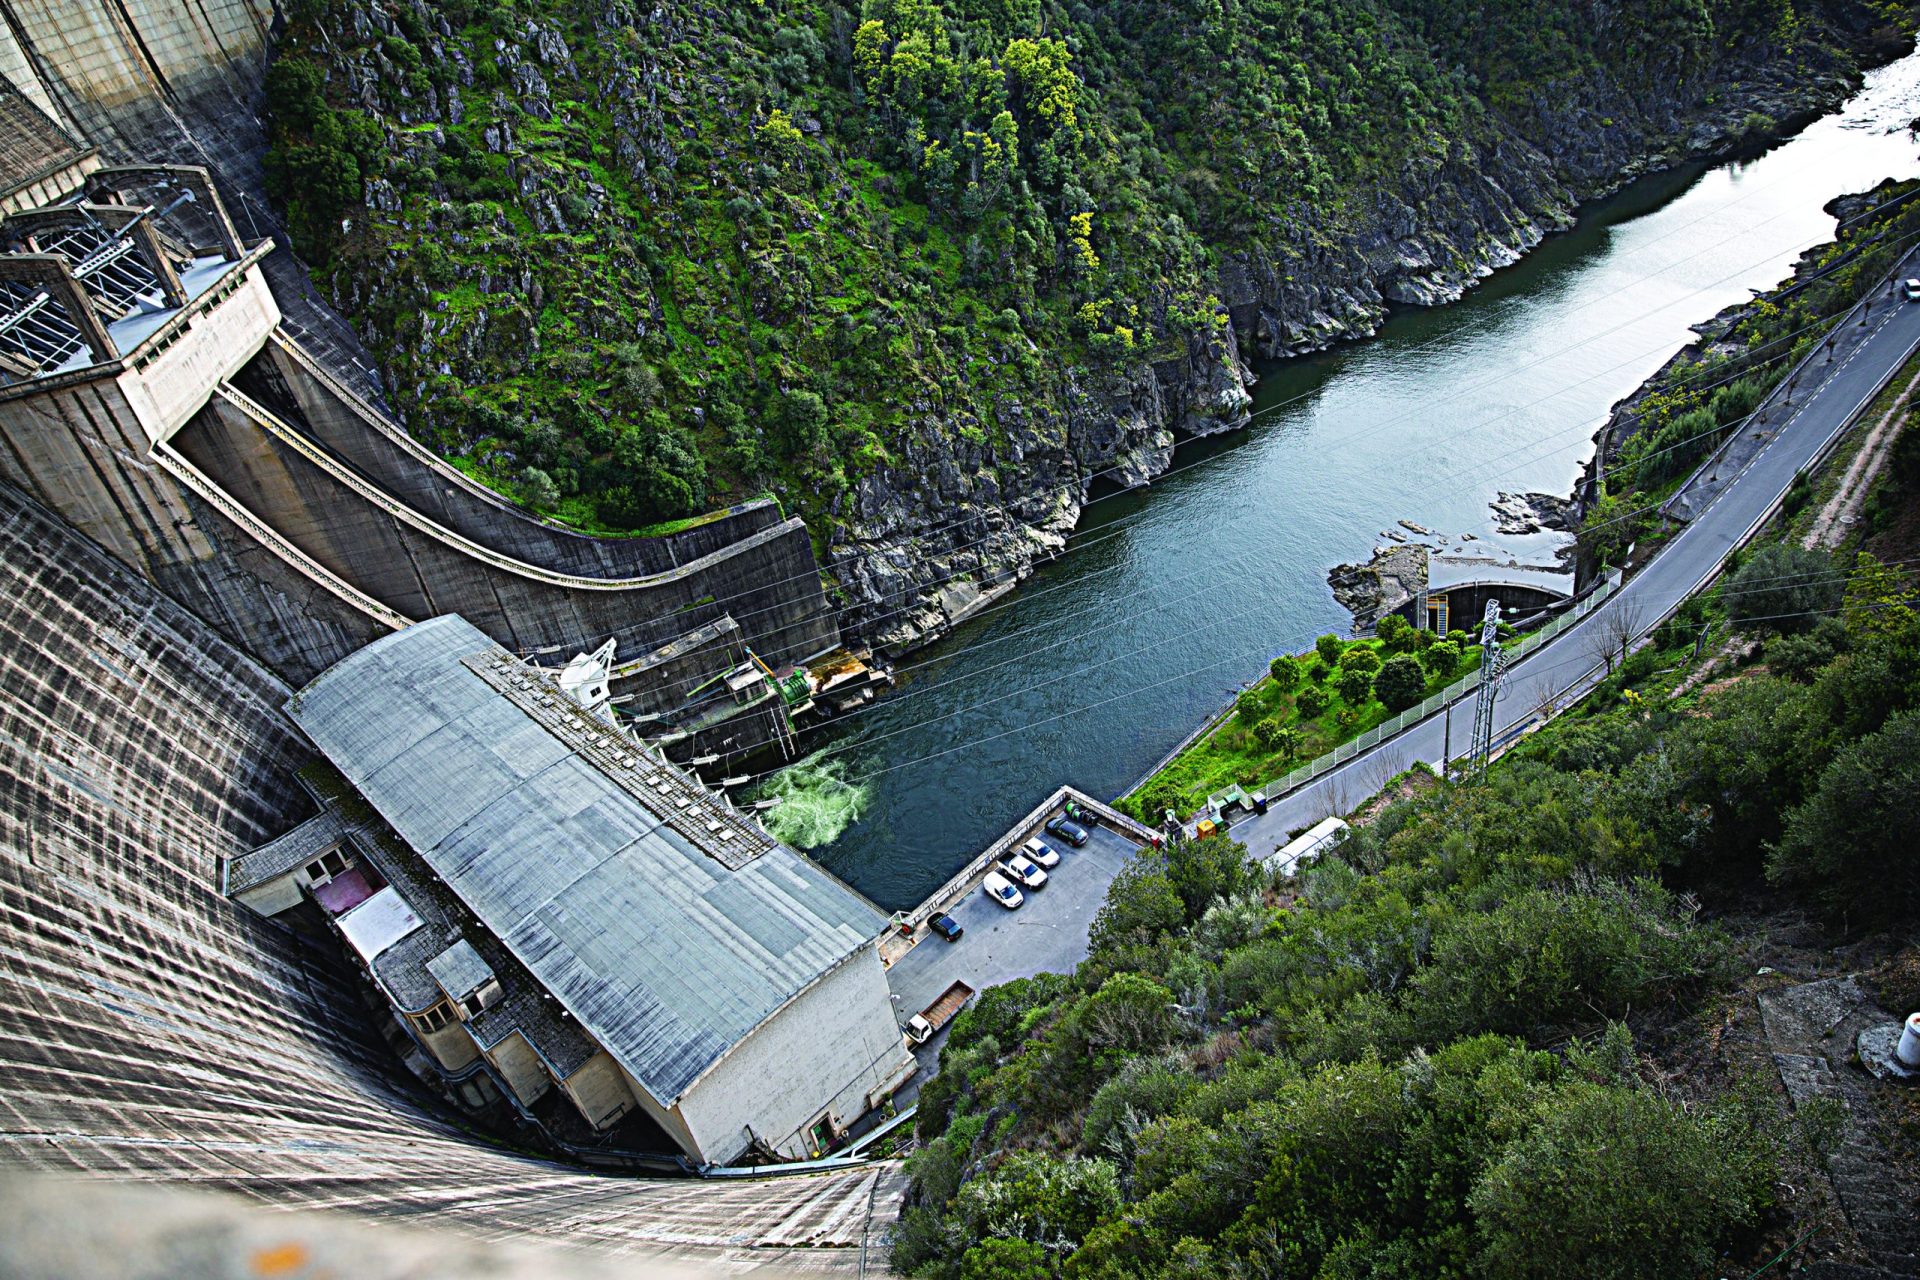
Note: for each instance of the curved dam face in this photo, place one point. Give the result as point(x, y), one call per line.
point(151, 1030)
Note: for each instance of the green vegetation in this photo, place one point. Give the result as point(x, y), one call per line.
point(1427, 1056)
point(1305, 706)
point(1695, 404)
point(628, 262)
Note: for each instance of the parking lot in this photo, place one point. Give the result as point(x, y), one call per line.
point(1045, 934)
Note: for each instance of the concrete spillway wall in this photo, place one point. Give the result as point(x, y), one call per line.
point(294, 386)
point(750, 565)
point(149, 1029)
point(304, 536)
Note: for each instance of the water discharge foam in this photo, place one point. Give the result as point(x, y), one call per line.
point(817, 802)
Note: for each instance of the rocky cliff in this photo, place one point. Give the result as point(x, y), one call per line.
point(625, 263)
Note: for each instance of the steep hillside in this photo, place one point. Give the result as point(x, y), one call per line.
point(1523, 1027)
point(925, 268)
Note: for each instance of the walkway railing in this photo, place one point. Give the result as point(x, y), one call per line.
point(1452, 693)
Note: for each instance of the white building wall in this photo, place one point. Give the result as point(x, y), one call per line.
point(824, 1053)
point(521, 1068)
point(451, 1046)
point(599, 1090)
point(168, 388)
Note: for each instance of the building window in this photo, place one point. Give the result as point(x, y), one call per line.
point(326, 866)
point(485, 998)
point(434, 1019)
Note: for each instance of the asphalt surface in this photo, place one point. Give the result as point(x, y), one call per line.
point(1679, 570)
point(1045, 934)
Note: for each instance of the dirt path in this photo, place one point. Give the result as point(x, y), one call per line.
point(1843, 508)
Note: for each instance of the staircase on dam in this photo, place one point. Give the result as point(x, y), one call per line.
point(149, 395)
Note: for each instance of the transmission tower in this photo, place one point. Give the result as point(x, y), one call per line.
point(1493, 663)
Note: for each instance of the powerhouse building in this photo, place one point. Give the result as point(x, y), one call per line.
point(556, 908)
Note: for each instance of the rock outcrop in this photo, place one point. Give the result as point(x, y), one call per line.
point(967, 491)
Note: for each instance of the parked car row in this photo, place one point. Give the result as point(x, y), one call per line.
point(1027, 869)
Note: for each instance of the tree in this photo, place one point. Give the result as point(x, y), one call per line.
point(1361, 657)
point(1355, 685)
point(1201, 871)
point(1395, 632)
point(1285, 673)
point(1782, 588)
point(781, 136)
point(538, 491)
point(1282, 740)
point(1141, 905)
point(1400, 682)
point(1329, 647)
point(1442, 658)
point(1312, 702)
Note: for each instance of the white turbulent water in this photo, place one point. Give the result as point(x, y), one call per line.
point(816, 802)
point(1172, 598)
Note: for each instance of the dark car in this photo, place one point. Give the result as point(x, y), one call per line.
point(1066, 829)
point(947, 927)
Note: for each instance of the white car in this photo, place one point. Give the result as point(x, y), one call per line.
point(1041, 852)
point(1023, 869)
point(1001, 890)
point(1912, 290)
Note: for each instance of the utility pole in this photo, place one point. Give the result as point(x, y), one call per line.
point(1493, 663)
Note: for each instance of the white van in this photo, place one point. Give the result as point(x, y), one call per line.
point(1307, 846)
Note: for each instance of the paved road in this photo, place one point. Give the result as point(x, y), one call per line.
point(1687, 562)
point(1045, 934)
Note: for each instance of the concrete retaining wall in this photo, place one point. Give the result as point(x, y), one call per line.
point(422, 574)
point(298, 389)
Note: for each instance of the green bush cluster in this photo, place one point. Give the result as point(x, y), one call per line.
point(1416, 1062)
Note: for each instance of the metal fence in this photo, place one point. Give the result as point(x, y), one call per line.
point(1452, 693)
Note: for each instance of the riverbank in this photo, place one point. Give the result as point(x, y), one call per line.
point(1305, 706)
point(1168, 600)
point(1653, 439)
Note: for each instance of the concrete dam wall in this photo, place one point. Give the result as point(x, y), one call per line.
point(151, 1030)
point(750, 564)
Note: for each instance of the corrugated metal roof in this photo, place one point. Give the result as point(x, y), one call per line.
point(664, 956)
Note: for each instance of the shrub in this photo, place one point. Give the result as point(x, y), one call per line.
point(1781, 586)
point(1548, 959)
point(1312, 702)
point(1355, 685)
point(1623, 1180)
point(1852, 844)
point(1442, 658)
point(1801, 655)
point(1400, 683)
point(1329, 647)
point(1285, 673)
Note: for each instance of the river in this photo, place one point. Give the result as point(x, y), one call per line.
point(1169, 599)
